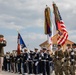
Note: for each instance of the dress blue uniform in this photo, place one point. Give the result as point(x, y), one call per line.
point(44, 56)
point(25, 63)
point(22, 67)
point(36, 63)
point(30, 62)
point(40, 62)
point(46, 62)
point(19, 63)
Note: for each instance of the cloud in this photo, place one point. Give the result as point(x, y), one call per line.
point(19, 14)
point(11, 25)
point(72, 38)
point(32, 40)
point(67, 10)
point(28, 17)
point(72, 35)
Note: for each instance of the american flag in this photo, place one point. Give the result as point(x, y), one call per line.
point(60, 26)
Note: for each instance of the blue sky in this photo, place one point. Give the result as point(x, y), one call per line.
point(28, 17)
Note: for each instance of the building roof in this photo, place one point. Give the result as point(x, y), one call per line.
point(54, 41)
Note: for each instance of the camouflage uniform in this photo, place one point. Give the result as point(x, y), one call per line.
point(72, 60)
point(2, 44)
point(75, 58)
point(66, 64)
point(58, 62)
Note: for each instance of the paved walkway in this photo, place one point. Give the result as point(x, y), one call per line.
point(8, 73)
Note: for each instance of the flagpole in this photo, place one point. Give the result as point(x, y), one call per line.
point(48, 29)
point(17, 30)
point(51, 33)
point(54, 19)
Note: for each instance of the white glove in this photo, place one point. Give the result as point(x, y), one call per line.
point(36, 63)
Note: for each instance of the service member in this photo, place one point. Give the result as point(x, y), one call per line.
point(58, 61)
point(25, 61)
point(19, 64)
point(66, 64)
point(30, 62)
point(36, 61)
point(72, 60)
point(8, 61)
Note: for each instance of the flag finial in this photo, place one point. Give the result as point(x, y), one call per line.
point(53, 2)
point(17, 30)
point(46, 5)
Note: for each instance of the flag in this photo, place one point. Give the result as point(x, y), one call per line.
point(60, 26)
point(20, 43)
point(50, 40)
point(47, 25)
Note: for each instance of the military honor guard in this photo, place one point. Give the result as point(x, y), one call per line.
point(75, 55)
point(15, 62)
point(49, 63)
point(72, 59)
point(8, 61)
point(66, 64)
point(36, 61)
point(45, 62)
point(21, 58)
point(25, 61)
point(30, 63)
point(58, 56)
point(40, 62)
point(11, 62)
point(19, 64)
